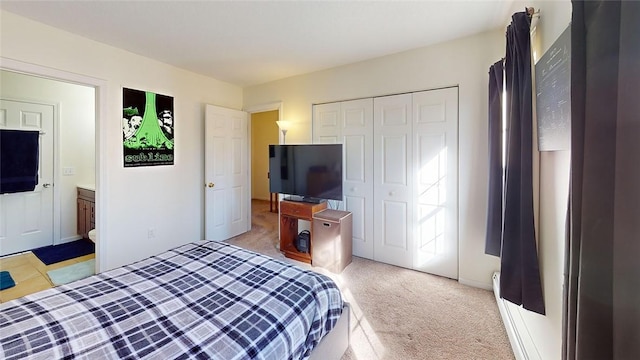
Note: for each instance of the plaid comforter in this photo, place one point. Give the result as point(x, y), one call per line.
point(204, 300)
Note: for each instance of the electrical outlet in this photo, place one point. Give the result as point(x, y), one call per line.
point(151, 233)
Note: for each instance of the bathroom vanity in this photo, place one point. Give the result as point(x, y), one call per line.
point(86, 210)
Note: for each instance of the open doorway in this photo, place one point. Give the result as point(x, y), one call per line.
point(71, 158)
point(264, 132)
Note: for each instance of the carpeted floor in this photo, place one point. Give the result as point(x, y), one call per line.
point(399, 313)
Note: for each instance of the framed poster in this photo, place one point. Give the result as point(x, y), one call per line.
point(553, 95)
point(147, 128)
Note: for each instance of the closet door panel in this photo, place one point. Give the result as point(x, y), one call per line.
point(435, 132)
point(357, 137)
point(395, 236)
point(326, 123)
point(393, 208)
point(354, 158)
point(394, 160)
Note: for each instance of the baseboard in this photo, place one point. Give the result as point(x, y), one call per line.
point(519, 337)
point(475, 284)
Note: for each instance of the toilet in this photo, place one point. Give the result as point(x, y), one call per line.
point(92, 235)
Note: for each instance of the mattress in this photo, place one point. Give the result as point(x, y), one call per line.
point(206, 300)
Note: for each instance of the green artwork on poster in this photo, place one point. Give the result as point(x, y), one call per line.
point(148, 135)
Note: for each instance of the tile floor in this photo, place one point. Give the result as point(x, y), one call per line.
point(30, 274)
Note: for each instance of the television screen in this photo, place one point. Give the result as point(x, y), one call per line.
point(313, 172)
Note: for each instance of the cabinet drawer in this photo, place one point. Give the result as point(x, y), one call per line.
point(295, 209)
point(301, 210)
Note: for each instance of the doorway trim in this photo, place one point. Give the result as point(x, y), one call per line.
point(264, 108)
point(277, 105)
point(101, 139)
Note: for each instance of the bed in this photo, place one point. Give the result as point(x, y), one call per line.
point(203, 300)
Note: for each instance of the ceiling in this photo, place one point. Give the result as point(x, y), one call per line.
point(252, 42)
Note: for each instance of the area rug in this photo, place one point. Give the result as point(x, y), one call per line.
point(57, 253)
point(6, 281)
point(73, 272)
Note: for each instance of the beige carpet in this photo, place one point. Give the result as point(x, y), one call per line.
point(399, 313)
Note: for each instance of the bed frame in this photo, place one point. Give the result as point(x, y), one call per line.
point(333, 345)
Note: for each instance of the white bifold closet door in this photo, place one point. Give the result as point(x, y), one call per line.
point(435, 186)
point(349, 123)
point(400, 175)
point(393, 183)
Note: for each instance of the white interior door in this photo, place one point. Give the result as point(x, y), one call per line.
point(26, 218)
point(227, 187)
point(393, 183)
point(435, 133)
point(357, 139)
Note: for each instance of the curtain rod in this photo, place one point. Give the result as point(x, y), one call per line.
point(534, 16)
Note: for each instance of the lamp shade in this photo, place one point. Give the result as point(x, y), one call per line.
point(283, 125)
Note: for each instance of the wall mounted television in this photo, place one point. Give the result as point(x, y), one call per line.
point(310, 173)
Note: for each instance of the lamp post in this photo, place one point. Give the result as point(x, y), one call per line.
point(284, 126)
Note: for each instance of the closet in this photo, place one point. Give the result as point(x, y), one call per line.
point(400, 175)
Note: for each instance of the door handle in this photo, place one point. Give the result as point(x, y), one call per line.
point(211, 185)
point(46, 185)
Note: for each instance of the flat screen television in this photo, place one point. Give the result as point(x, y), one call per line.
point(306, 172)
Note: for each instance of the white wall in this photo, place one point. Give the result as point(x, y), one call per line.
point(546, 331)
point(464, 62)
point(168, 199)
point(76, 139)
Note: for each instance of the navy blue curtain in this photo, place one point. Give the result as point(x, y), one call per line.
point(519, 270)
point(602, 304)
point(493, 243)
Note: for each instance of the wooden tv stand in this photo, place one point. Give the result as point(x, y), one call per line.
point(290, 213)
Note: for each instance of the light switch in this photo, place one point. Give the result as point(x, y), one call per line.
point(67, 171)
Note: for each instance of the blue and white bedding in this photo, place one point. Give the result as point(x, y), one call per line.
point(205, 300)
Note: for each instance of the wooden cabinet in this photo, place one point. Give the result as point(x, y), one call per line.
point(330, 244)
point(86, 211)
point(290, 213)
